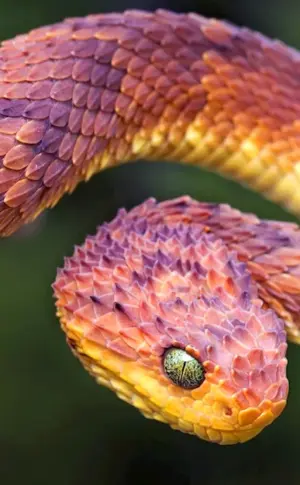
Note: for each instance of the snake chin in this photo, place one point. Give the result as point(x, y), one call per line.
point(151, 280)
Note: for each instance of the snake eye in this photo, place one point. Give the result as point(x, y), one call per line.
point(183, 369)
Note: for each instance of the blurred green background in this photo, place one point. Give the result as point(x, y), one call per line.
point(56, 425)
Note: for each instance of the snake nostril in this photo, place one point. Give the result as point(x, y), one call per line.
point(227, 411)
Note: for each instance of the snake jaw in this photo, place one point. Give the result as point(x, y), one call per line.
point(141, 286)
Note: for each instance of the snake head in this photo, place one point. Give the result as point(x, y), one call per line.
point(167, 317)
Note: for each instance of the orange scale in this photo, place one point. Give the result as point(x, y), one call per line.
point(199, 393)
point(62, 90)
point(84, 281)
point(271, 264)
point(17, 157)
point(221, 375)
point(132, 337)
point(240, 398)
point(145, 48)
point(123, 149)
point(61, 69)
point(54, 171)
point(39, 72)
point(215, 279)
point(241, 363)
point(109, 32)
point(288, 256)
point(66, 147)
point(6, 144)
point(137, 66)
point(13, 64)
point(122, 104)
point(80, 149)
point(129, 85)
point(40, 90)
point(138, 118)
point(121, 274)
point(127, 315)
point(101, 275)
point(17, 90)
point(108, 322)
point(151, 337)
point(86, 310)
point(252, 398)
point(95, 335)
point(96, 146)
point(240, 378)
point(121, 58)
point(88, 122)
point(100, 309)
point(133, 263)
point(115, 129)
point(287, 283)
point(18, 75)
point(19, 192)
point(70, 302)
point(150, 75)
point(119, 346)
point(36, 56)
point(101, 121)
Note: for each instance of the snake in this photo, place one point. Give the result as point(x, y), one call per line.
point(184, 309)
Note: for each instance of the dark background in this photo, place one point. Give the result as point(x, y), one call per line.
point(56, 425)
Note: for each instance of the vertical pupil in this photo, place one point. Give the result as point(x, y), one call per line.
point(183, 369)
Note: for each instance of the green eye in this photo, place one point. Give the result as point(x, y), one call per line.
point(183, 369)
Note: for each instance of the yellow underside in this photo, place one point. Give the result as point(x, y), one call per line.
point(277, 177)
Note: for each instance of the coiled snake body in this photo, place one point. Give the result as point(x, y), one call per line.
point(182, 308)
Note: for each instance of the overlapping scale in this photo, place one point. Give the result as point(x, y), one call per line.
point(90, 92)
point(159, 277)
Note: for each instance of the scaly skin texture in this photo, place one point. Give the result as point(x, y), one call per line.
point(157, 278)
point(93, 92)
point(88, 93)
